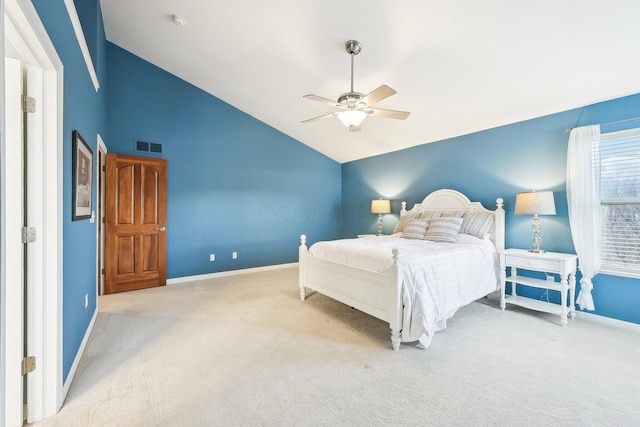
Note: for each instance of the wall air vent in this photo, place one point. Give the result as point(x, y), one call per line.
point(149, 147)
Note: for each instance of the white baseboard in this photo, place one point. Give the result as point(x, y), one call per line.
point(589, 317)
point(76, 360)
point(603, 320)
point(187, 279)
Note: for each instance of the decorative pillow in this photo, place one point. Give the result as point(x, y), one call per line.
point(404, 220)
point(477, 224)
point(443, 229)
point(450, 214)
point(415, 229)
point(426, 214)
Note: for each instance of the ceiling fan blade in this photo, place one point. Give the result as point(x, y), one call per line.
point(387, 114)
point(322, 100)
point(355, 128)
point(324, 116)
point(378, 95)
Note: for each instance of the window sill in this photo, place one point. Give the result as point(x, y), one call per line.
point(615, 271)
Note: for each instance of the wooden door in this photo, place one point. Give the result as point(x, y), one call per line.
point(135, 223)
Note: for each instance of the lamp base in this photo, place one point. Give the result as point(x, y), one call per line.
point(535, 227)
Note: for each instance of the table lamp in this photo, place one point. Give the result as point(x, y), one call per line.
point(535, 203)
point(380, 207)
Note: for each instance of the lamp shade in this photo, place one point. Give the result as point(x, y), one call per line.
point(380, 206)
point(535, 203)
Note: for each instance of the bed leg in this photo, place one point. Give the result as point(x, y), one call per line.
point(395, 339)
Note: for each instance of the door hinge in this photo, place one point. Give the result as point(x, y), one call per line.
point(28, 234)
point(104, 271)
point(28, 364)
point(104, 168)
point(28, 104)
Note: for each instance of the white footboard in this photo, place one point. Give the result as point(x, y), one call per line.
point(375, 293)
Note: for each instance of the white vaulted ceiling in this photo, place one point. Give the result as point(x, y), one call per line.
point(458, 66)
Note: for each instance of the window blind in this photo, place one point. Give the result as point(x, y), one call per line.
point(618, 159)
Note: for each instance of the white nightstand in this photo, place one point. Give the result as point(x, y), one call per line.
point(548, 262)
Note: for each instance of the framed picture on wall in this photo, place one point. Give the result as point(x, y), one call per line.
point(82, 169)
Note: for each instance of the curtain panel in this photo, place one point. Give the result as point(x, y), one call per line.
point(583, 197)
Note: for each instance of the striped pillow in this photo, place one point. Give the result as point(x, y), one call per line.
point(428, 214)
point(449, 214)
point(477, 224)
point(443, 229)
point(404, 221)
point(415, 229)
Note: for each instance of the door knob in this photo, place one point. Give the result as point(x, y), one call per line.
point(161, 229)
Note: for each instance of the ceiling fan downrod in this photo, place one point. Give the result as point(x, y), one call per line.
point(353, 47)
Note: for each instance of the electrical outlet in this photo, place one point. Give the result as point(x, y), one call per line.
point(86, 300)
point(212, 257)
point(234, 255)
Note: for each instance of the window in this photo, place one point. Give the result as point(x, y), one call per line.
point(618, 158)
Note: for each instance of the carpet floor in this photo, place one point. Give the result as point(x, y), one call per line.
point(245, 351)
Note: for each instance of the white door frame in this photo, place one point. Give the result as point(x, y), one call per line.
point(13, 218)
point(101, 174)
point(21, 24)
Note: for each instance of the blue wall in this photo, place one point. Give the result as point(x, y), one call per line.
point(486, 165)
point(85, 111)
point(235, 184)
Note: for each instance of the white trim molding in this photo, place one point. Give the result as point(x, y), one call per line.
point(76, 360)
point(188, 279)
point(82, 41)
point(100, 162)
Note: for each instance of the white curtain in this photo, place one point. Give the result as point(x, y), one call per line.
point(583, 196)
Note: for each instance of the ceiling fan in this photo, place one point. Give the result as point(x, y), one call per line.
point(354, 105)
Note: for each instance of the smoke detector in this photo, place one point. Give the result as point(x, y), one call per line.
point(178, 20)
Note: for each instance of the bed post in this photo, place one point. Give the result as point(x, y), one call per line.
point(500, 226)
point(302, 252)
point(396, 303)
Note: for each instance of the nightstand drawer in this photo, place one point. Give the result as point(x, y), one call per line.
point(532, 263)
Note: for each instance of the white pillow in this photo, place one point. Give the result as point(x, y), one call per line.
point(415, 229)
point(443, 229)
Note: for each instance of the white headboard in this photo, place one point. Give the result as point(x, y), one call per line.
point(451, 200)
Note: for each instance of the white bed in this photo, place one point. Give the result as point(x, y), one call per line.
point(415, 285)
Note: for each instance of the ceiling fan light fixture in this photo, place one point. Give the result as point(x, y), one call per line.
point(355, 105)
point(351, 118)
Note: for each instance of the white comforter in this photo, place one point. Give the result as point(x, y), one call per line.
point(438, 278)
